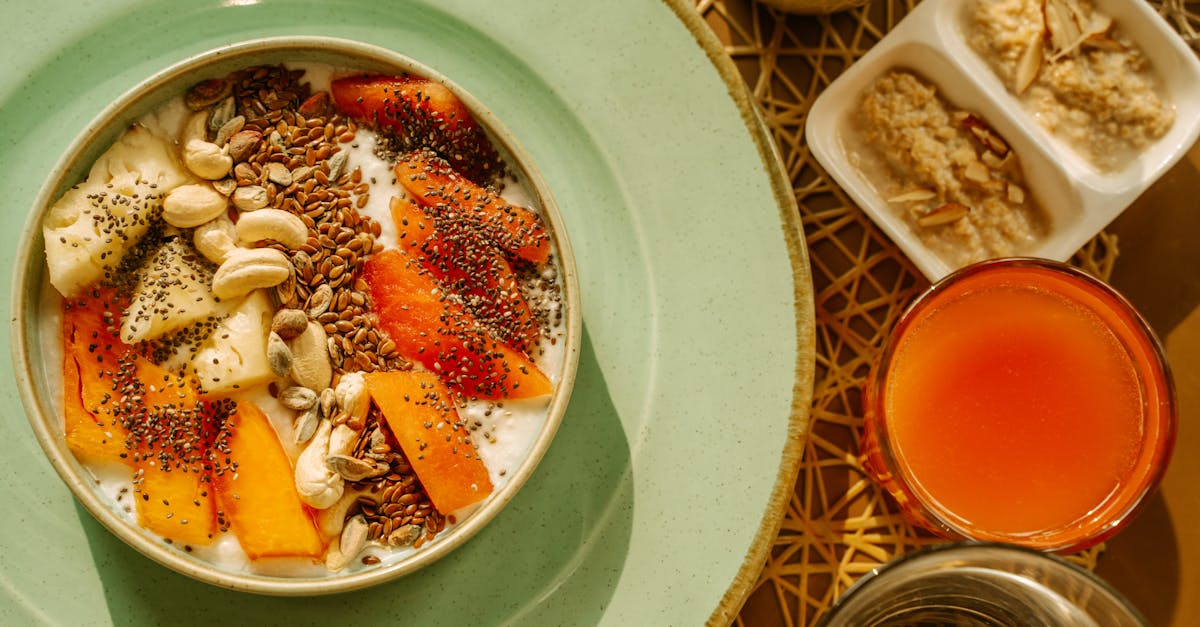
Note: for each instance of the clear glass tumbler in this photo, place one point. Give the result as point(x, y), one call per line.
point(981, 585)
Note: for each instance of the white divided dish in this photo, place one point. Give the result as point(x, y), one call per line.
point(1078, 199)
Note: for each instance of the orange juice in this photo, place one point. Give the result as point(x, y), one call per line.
point(1020, 401)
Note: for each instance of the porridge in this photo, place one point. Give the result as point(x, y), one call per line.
point(1074, 71)
point(956, 182)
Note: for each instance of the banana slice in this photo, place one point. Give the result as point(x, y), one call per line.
point(235, 355)
point(172, 292)
point(93, 224)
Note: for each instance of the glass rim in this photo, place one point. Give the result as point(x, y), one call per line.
point(872, 576)
point(1167, 416)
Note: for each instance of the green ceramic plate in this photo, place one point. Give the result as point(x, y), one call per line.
point(658, 499)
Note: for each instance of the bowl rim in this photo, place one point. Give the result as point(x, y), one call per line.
point(29, 268)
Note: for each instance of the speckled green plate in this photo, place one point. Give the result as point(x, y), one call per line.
point(661, 493)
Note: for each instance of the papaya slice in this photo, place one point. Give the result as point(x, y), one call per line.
point(258, 497)
point(176, 504)
point(121, 407)
point(480, 275)
point(90, 348)
point(430, 328)
point(89, 439)
point(91, 324)
point(173, 432)
point(433, 182)
point(418, 112)
point(420, 413)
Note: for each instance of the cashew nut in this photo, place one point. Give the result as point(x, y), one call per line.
point(250, 198)
point(332, 519)
point(310, 357)
point(341, 441)
point(206, 159)
point(216, 238)
point(196, 127)
point(274, 224)
point(188, 206)
point(245, 270)
point(316, 484)
point(351, 397)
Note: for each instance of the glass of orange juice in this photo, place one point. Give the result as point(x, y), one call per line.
point(1020, 401)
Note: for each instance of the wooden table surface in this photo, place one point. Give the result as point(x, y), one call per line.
point(786, 60)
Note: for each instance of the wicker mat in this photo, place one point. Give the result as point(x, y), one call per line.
point(838, 525)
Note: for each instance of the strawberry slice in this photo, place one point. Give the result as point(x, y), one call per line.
point(420, 113)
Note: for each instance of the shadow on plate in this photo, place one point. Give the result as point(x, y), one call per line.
point(556, 551)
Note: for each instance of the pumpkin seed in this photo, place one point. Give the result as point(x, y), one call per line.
point(337, 163)
point(230, 128)
point(307, 423)
point(279, 356)
point(298, 397)
point(221, 114)
point(318, 303)
point(354, 469)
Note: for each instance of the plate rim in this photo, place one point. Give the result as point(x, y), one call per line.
point(802, 306)
point(803, 302)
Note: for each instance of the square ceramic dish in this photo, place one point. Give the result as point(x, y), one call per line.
point(1079, 200)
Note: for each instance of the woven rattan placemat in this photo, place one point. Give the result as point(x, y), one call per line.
point(838, 525)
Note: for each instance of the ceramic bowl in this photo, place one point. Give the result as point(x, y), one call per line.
point(35, 346)
point(1079, 199)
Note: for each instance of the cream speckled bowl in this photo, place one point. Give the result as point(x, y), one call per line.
point(29, 291)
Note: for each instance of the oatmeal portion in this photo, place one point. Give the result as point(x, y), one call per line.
point(1073, 70)
point(952, 178)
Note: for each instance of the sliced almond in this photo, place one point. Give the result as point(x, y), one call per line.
point(986, 135)
point(916, 195)
point(1016, 194)
point(945, 214)
point(1030, 65)
point(1076, 16)
point(995, 186)
point(1104, 42)
point(1060, 26)
point(995, 144)
point(1098, 25)
point(978, 172)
